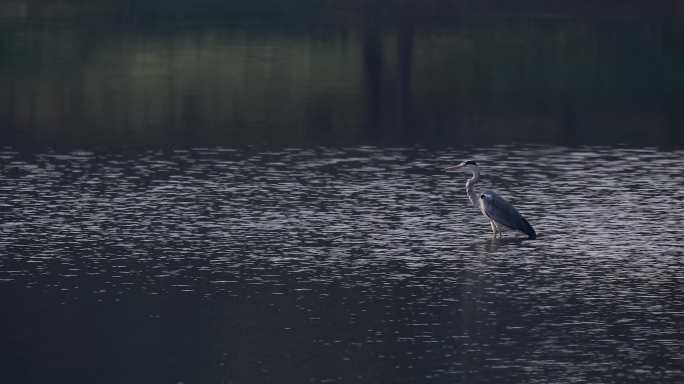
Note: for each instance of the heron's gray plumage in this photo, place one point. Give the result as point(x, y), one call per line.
point(497, 209)
point(500, 212)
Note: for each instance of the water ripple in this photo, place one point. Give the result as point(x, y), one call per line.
point(378, 250)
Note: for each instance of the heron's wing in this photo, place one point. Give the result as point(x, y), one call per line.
point(501, 211)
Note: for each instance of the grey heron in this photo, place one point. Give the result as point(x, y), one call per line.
point(501, 214)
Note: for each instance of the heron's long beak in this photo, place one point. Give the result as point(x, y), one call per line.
point(453, 168)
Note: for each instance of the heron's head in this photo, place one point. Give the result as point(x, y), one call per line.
point(465, 166)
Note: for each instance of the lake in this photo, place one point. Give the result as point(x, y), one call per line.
point(343, 265)
point(135, 75)
point(254, 192)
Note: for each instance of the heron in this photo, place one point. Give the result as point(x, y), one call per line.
point(501, 214)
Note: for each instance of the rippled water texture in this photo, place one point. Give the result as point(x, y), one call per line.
point(353, 265)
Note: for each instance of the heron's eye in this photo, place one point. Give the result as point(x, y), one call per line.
point(482, 196)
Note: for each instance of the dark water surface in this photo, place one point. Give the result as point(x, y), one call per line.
point(360, 75)
point(359, 265)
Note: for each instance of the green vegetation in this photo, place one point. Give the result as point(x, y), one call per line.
point(381, 78)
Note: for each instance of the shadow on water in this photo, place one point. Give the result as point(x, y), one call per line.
point(381, 72)
point(504, 242)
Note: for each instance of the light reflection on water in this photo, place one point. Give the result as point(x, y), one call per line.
point(342, 265)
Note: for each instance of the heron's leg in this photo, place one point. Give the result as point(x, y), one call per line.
point(499, 230)
point(493, 227)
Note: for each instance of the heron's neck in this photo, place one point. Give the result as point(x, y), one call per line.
point(470, 187)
